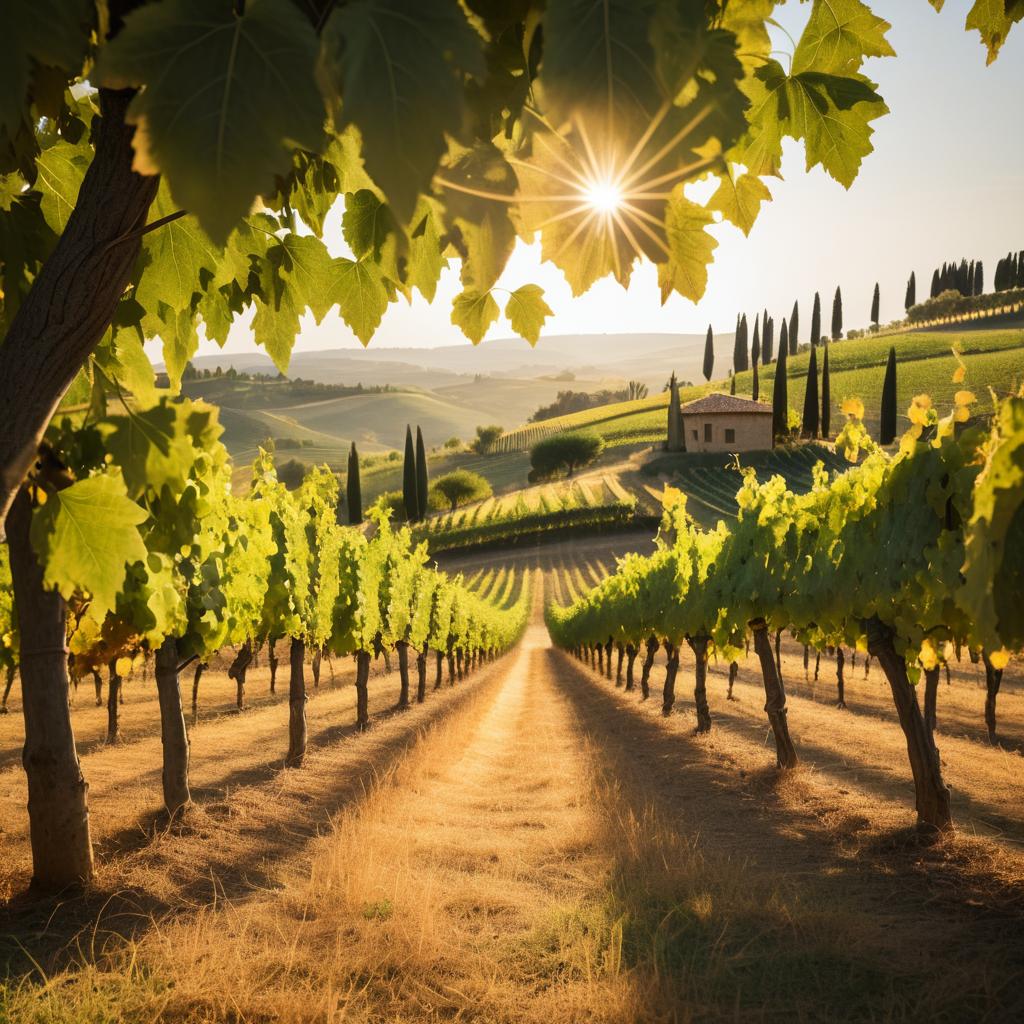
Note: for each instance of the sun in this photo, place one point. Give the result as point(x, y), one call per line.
point(603, 196)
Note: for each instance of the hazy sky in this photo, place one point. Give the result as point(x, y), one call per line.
point(946, 181)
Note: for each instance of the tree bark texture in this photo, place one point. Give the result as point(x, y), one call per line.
point(362, 693)
point(840, 680)
point(645, 669)
point(58, 795)
point(296, 704)
point(237, 670)
point(668, 696)
point(272, 662)
point(699, 646)
point(421, 676)
point(173, 734)
point(113, 702)
point(774, 696)
point(72, 301)
point(403, 674)
point(734, 669)
point(630, 663)
point(993, 680)
point(439, 672)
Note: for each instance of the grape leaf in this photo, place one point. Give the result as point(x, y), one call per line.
point(61, 169)
point(371, 231)
point(85, 536)
point(473, 313)
point(691, 248)
point(395, 69)
point(359, 290)
point(426, 259)
point(526, 311)
point(993, 20)
point(226, 96)
point(739, 199)
point(151, 447)
point(51, 33)
point(838, 36)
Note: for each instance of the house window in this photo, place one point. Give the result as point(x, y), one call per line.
point(730, 435)
point(707, 431)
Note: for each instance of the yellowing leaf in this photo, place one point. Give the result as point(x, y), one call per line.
point(1000, 659)
point(853, 407)
point(526, 311)
point(964, 398)
point(85, 536)
point(123, 666)
point(690, 248)
point(473, 313)
point(739, 200)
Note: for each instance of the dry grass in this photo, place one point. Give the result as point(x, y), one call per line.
point(537, 846)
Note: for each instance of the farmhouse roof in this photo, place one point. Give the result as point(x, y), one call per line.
point(717, 402)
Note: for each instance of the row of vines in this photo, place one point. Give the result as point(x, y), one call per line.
point(128, 541)
point(912, 557)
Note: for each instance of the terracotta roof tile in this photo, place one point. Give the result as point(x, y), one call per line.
point(718, 402)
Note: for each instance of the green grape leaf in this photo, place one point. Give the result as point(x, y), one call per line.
point(691, 248)
point(85, 536)
point(739, 200)
point(473, 313)
point(152, 447)
point(993, 20)
point(838, 36)
point(61, 169)
point(371, 232)
point(122, 359)
point(48, 33)
point(178, 333)
point(306, 268)
point(226, 95)
point(526, 311)
point(274, 328)
point(426, 258)
point(358, 288)
point(173, 255)
point(395, 67)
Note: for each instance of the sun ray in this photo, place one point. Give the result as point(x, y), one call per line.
point(670, 145)
point(624, 228)
point(573, 211)
point(503, 197)
point(649, 131)
point(571, 237)
point(649, 233)
point(680, 172)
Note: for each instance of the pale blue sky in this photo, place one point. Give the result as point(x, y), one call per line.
point(946, 181)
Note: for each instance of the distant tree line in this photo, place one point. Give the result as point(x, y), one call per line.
point(576, 401)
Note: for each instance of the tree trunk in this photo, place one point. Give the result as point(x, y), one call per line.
point(645, 669)
point(296, 705)
point(315, 664)
point(600, 658)
point(173, 734)
point(932, 796)
point(421, 676)
point(451, 667)
point(699, 646)
point(113, 701)
point(807, 661)
point(668, 696)
point(200, 668)
point(840, 682)
point(993, 680)
point(608, 660)
point(774, 697)
point(439, 670)
point(7, 689)
point(931, 692)
point(237, 671)
point(817, 664)
point(403, 674)
point(362, 693)
point(630, 662)
point(778, 652)
point(58, 795)
point(459, 665)
point(734, 669)
point(620, 653)
point(72, 300)
point(272, 662)
point(97, 681)
point(867, 665)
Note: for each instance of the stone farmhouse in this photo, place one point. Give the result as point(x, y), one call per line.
point(726, 423)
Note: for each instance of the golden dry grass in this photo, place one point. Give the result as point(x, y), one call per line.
point(536, 845)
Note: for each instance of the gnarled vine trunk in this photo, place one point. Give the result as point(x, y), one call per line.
point(58, 795)
point(645, 669)
point(7, 689)
point(931, 693)
point(237, 670)
point(113, 702)
point(451, 667)
point(699, 646)
point(840, 681)
point(439, 672)
point(993, 680)
point(630, 663)
point(272, 662)
point(173, 734)
point(734, 669)
point(421, 676)
point(73, 299)
point(362, 692)
point(200, 669)
point(403, 674)
point(318, 655)
point(296, 704)
point(97, 682)
point(931, 794)
point(668, 695)
point(608, 659)
point(774, 696)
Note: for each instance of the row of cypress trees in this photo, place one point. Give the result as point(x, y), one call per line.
point(1009, 272)
point(963, 277)
point(415, 485)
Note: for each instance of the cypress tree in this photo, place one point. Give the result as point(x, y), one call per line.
point(979, 278)
point(353, 491)
point(755, 356)
point(794, 329)
point(744, 348)
point(887, 432)
point(1019, 279)
point(755, 387)
point(934, 290)
point(674, 427)
point(809, 420)
point(970, 279)
point(875, 302)
point(732, 384)
point(780, 396)
point(422, 485)
point(837, 315)
point(963, 278)
point(409, 497)
point(816, 320)
point(768, 340)
point(910, 299)
point(826, 397)
point(783, 340)
point(709, 354)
